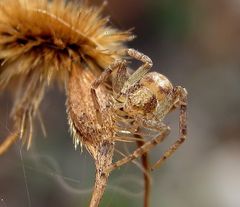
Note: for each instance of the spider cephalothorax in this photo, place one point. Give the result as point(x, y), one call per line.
point(151, 97)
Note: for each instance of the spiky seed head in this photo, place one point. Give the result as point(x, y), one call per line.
point(39, 42)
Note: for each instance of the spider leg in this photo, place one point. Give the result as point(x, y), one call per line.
point(146, 168)
point(138, 137)
point(137, 134)
point(182, 94)
point(102, 78)
point(142, 70)
point(147, 146)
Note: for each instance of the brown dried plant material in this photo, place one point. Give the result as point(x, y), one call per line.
point(39, 40)
point(98, 139)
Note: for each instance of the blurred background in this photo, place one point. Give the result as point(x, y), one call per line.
point(196, 43)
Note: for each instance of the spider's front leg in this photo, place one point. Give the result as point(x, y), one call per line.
point(103, 77)
point(141, 71)
point(181, 97)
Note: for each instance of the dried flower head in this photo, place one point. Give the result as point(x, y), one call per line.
point(39, 42)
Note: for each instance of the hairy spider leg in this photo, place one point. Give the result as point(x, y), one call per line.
point(146, 147)
point(133, 134)
point(181, 93)
point(141, 71)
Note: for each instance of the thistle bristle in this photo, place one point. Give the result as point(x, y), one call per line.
point(41, 32)
point(44, 38)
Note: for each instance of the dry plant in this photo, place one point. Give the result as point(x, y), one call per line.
point(43, 41)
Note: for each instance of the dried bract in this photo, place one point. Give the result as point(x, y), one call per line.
point(39, 41)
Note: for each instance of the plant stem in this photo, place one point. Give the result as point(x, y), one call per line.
point(103, 160)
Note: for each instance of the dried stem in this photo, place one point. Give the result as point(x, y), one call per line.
point(104, 159)
point(146, 172)
point(99, 187)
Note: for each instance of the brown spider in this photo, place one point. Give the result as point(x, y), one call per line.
point(141, 100)
point(144, 99)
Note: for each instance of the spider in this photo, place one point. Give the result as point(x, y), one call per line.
point(139, 101)
point(143, 99)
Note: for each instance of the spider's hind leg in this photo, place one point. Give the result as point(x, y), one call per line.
point(142, 70)
point(146, 147)
point(181, 95)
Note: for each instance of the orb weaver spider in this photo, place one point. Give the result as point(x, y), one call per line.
point(141, 100)
point(144, 98)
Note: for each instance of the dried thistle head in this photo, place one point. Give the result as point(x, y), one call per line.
point(40, 40)
point(81, 111)
point(99, 139)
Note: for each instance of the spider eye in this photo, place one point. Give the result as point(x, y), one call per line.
point(158, 84)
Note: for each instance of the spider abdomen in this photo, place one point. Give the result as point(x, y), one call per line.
point(159, 84)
